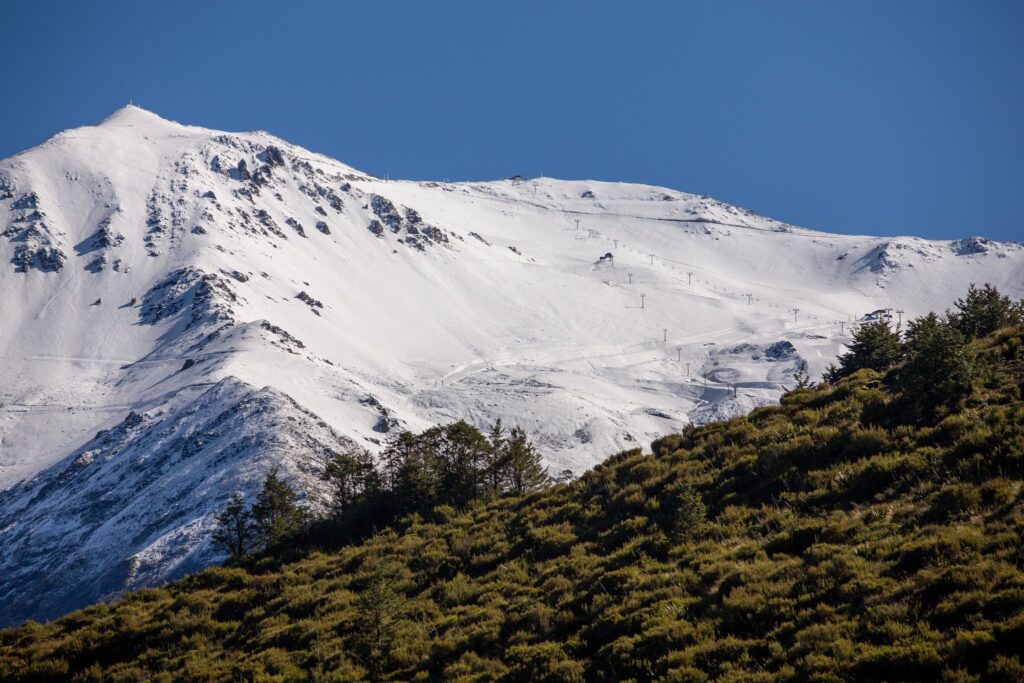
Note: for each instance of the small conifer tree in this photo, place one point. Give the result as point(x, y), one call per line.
point(875, 345)
point(684, 511)
point(234, 530)
point(524, 469)
point(983, 311)
point(276, 514)
point(460, 452)
point(938, 370)
point(497, 460)
point(351, 476)
point(380, 610)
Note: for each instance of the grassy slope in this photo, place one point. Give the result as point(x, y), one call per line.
point(838, 544)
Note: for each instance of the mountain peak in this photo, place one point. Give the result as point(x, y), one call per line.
point(132, 115)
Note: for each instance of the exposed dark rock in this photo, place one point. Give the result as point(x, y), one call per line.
point(36, 245)
point(133, 419)
point(385, 421)
point(296, 226)
point(372, 401)
point(744, 348)
point(973, 245)
point(386, 212)
point(417, 234)
point(207, 295)
point(97, 264)
point(309, 301)
point(262, 176)
point(44, 258)
point(780, 350)
point(103, 238)
point(106, 237)
point(26, 202)
point(268, 222)
point(243, 171)
point(273, 156)
point(434, 234)
point(285, 340)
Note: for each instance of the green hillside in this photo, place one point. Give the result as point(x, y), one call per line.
point(866, 529)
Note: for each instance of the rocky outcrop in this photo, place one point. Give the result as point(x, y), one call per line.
point(209, 298)
point(410, 228)
point(36, 244)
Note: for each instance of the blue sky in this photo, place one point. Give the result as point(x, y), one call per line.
point(892, 117)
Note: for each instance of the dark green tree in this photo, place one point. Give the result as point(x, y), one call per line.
point(413, 470)
point(683, 511)
point(400, 448)
point(524, 470)
point(234, 531)
point(803, 380)
point(380, 610)
point(938, 370)
point(461, 452)
point(276, 513)
point(352, 476)
point(983, 311)
point(497, 459)
point(875, 345)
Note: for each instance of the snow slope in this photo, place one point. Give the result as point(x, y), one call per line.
point(217, 304)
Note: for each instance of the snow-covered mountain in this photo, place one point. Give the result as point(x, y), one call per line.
point(182, 309)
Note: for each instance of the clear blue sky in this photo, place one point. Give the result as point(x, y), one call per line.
point(890, 117)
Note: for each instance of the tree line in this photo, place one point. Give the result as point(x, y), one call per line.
point(931, 365)
point(452, 465)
